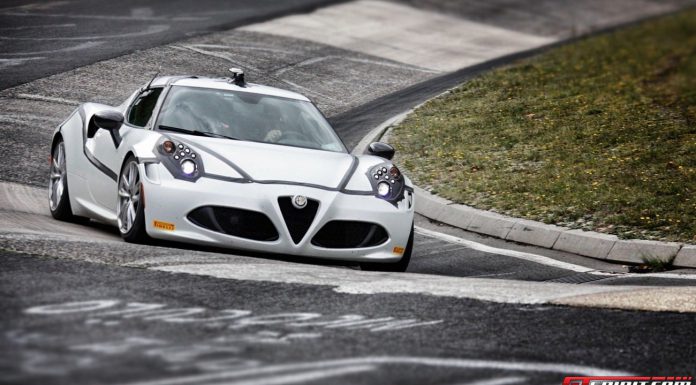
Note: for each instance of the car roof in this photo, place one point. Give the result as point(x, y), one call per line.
point(225, 84)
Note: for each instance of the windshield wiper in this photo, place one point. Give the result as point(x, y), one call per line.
point(195, 132)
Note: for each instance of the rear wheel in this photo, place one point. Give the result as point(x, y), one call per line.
point(399, 266)
point(130, 210)
point(58, 197)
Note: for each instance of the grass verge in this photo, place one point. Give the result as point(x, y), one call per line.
point(599, 134)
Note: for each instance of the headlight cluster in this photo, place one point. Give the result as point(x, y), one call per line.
point(387, 182)
point(179, 159)
point(188, 167)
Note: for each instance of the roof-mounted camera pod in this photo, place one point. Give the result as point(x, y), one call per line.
point(237, 77)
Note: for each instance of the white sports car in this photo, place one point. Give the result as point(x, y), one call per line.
point(222, 162)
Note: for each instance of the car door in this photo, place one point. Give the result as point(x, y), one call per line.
point(109, 154)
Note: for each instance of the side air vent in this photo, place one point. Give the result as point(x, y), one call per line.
point(298, 220)
point(237, 222)
point(350, 235)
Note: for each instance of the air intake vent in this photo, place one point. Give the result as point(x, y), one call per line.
point(350, 235)
point(231, 221)
point(297, 220)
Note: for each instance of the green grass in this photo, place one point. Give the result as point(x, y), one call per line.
point(599, 134)
point(656, 265)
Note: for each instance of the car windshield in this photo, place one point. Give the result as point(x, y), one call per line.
point(247, 116)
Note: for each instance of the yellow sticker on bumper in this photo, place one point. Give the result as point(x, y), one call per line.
point(164, 225)
point(398, 250)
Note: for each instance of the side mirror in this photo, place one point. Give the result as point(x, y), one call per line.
point(380, 149)
point(108, 120)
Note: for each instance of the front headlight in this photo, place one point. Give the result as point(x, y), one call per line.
point(387, 182)
point(188, 167)
point(383, 189)
point(179, 159)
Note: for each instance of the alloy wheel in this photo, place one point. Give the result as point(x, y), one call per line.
point(128, 197)
point(56, 186)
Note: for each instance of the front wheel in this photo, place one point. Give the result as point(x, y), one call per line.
point(130, 210)
point(399, 266)
point(58, 197)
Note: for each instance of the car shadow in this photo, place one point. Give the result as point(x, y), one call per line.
point(111, 230)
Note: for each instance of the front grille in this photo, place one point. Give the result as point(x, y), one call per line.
point(350, 235)
point(297, 220)
point(232, 221)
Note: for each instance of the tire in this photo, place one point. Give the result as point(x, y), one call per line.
point(58, 194)
point(130, 211)
point(399, 266)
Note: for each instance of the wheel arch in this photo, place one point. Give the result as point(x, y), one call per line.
point(129, 153)
point(57, 136)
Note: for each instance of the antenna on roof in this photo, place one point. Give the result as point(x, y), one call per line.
point(152, 80)
point(238, 77)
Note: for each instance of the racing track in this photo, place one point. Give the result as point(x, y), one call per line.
point(173, 310)
point(39, 38)
point(334, 77)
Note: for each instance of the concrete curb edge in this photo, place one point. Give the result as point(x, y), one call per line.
point(586, 243)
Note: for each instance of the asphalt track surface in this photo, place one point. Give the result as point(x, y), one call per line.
point(148, 327)
point(90, 309)
point(38, 38)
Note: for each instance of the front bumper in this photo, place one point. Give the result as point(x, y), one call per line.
point(169, 201)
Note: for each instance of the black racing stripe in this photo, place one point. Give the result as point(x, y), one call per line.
point(224, 178)
point(349, 173)
point(246, 178)
point(101, 166)
point(218, 156)
point(357, 192)
point(92, 159)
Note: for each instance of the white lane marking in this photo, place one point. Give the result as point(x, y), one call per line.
point(249, 47)
point(233, 319)
point(499, 381)
point(24, 27)
point(657, 275)
point(36, 6)
point(72, 307)
point(151, 30)
point(307, 90)
point(223, 52)
point(458, 363)
point(362, 282)
point(382, 63)
point(436, 251)
point(81, 46)
point(6, 63)
point(52, 99)
point(219, 55)
point(492, 275)
point(540, 259)
point(302, 377)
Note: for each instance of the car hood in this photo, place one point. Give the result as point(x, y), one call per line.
point(269, 162)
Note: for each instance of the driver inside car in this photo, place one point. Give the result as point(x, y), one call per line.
point(276, 123)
